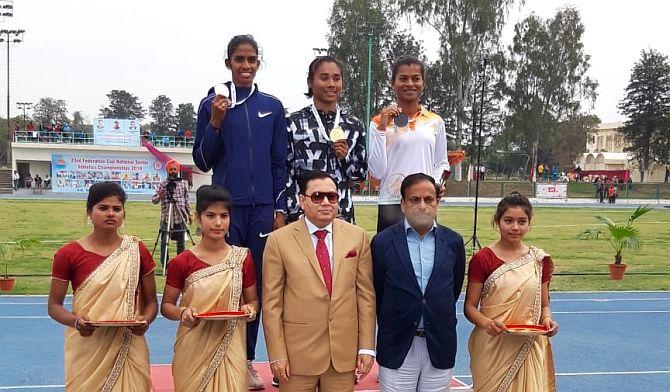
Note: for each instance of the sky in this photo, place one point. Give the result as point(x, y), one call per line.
point(79, 50)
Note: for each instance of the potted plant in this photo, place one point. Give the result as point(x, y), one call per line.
point(7, 253)
point(621, 236)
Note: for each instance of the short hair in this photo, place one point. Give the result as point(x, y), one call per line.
point(241, 40)
point(513, 199)
point(314, 65)
point(311, 175)
point(407, 60)
point(415, 178)
point(101, 190)
point(207, 195)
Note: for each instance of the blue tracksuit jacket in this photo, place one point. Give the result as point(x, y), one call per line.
point(248, 154)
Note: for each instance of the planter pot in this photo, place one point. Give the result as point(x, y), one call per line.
point(7, 284)
point(617, 271)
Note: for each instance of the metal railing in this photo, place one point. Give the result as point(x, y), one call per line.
point(77, 137)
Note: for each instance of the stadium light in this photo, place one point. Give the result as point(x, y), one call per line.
point(23, 106)
point(7, 7)
point(320, 51)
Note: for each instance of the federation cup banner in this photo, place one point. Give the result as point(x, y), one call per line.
point(116, 132)
point(552, 191)
point(75, 173)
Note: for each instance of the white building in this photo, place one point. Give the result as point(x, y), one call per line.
point(605, 151)
point(31, 157)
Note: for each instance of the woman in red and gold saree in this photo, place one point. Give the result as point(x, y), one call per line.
point(212, 276)
point(112, 279)
point(508, 283)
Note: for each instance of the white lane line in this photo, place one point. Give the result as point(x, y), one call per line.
point(30, 303)
point(611, 311)
point(459, 314)
point(463, 229)
point(614, 373)
point(13, 387)
point(586, 374)
point(609, 299)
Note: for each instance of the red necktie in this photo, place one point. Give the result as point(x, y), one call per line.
point(324, 259)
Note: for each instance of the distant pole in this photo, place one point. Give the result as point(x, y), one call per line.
point(368, 92)
point(367, 30)
point(17, 38)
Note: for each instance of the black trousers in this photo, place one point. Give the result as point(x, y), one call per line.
point(177, 235)
point(388, 215)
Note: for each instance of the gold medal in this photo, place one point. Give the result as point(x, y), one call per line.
point(336, 134)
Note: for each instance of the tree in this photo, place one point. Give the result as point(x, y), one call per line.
point(647, 106)
point(348, 44)
point(568, 140)
point(50, 110)
point(468, 31)
point(547, 79)
point(78, 122)
point(186, 117)
point(162, 111)
point(124, 105)
point(5, 137)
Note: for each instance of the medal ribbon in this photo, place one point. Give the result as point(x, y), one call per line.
point(322, 129)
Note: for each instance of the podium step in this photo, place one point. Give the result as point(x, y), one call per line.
point(161, 376)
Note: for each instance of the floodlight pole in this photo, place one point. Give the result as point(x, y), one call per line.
point(23, 106)
point(17, 34)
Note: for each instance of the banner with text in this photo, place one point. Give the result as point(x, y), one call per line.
point(116, 132)
point(77, 172)
point(552, 191)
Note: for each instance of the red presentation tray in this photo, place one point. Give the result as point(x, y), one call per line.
point(115, 323)
point(530, 329)
point(223, 315)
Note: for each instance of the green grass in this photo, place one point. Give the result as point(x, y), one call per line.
point(554, 230)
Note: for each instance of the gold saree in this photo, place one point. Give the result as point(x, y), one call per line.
point(511, 363)
point(112, 359)
point(212, 355)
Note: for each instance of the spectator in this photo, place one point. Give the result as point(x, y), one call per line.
point(540, 172)
point(15, 179)
point(47, 182)
point(554, 174)
point(600, 190)
point(38, 181)
point(29, 181)
point(67, 133)
point(612, 194)
point(187, 135)
point(667, 174)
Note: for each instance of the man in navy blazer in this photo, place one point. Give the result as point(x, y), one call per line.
point(418, 269)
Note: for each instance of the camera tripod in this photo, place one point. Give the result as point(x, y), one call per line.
point(166, 229)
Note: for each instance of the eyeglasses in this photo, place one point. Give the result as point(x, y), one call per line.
point(317, 197)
